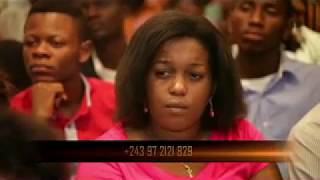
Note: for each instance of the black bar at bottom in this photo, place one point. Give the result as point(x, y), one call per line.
point(161, 151)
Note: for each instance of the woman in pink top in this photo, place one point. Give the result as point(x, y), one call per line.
point(177, 81)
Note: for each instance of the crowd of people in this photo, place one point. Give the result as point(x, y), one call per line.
point(124, 70)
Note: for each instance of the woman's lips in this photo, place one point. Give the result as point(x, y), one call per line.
point(176, 108)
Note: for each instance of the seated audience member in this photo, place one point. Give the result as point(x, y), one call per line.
point(18, 155)
point(278, 90)
point(139, 12)
point(55, 47)
point(305, 152)
point(105, 21)
point(177, 81)
point(11, 63)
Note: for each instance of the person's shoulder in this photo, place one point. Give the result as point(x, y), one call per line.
point(244, 124)
point(101, 87)
point(310, 120)
point(307, 74)
point(305, 135)
point(310, 34)
point(115, 133)
point(303, 68)
point(245, 130)
point(102, 95)
point(97, 83)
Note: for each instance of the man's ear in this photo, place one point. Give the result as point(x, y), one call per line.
point(85, 51)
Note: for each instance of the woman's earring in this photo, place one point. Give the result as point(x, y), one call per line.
point(211, 108)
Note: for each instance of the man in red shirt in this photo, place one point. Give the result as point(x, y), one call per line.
point(55, 47)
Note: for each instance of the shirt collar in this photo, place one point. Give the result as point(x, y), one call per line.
point(69, 126)
point(84, 107)
point(87, 90)
point(104, 73)
point(288, 68)
point(287, 72)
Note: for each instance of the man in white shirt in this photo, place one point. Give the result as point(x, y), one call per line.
point(277, 90)
point(105, 20)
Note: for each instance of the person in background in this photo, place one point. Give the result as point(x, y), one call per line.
point(4, 90)
point(13, 76)
point(12, 19)
point(309, 49)
point(177, 81)
point(278, 90)
point(55, 47)
point(305, 147)
point(139, 12)
point(11, 63)
point(217, 11)
point(105, 21)
point(18, 155)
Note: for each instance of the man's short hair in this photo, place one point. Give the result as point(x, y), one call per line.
point(67, 7)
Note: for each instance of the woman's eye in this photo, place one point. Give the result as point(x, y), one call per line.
point(162, 73)
point(195, 76)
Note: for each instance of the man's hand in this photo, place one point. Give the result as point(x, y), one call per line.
point(46, 98)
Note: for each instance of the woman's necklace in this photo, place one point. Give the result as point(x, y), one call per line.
point(188, 170)
point(151, 135)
